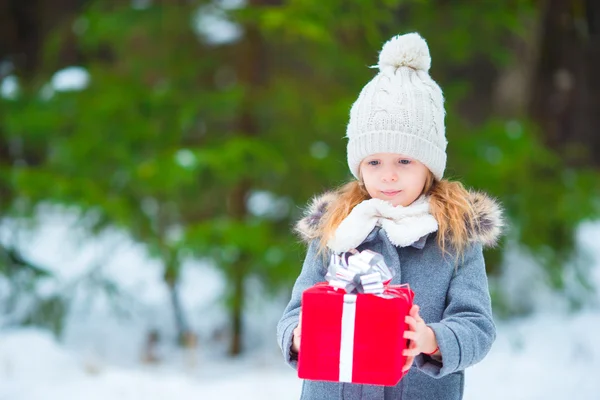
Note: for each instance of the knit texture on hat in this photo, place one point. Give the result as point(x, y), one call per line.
point(401, 110)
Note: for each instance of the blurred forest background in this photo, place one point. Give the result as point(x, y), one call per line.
point(201, 128)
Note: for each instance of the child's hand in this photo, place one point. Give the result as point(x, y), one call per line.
point(296, 335)
point(422, 338)
point(409, 359)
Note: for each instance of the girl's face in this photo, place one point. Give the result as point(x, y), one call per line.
point(393, 177)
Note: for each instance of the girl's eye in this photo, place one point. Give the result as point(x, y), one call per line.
point(373, 162)
point(405, 162)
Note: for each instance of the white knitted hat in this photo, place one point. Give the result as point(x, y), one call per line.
point(401, 110)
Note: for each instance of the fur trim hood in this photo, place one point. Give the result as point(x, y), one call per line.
point(487, 227)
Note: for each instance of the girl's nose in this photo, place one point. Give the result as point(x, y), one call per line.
point(389, 176)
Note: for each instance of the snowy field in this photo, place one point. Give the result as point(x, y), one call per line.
point(550, 355)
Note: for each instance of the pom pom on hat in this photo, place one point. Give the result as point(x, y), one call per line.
point(409, 50)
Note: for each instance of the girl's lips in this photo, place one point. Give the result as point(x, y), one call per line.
point(391, 193)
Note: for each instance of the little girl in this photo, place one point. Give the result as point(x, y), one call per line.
point(430, 231)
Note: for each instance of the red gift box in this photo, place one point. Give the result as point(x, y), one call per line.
point(354, 338)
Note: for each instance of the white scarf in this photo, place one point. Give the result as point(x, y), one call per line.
point(403, 225)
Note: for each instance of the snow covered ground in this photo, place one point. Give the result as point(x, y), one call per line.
point(550, 355)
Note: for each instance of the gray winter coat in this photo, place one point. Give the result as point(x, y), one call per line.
point(454, 301)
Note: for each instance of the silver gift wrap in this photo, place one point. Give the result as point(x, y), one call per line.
point(361, 272)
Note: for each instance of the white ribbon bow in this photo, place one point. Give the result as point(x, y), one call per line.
point(364, 272)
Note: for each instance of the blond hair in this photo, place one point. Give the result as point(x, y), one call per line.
point(448, 202)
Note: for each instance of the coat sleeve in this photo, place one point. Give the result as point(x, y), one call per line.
point(467, 330)
point(313, 271)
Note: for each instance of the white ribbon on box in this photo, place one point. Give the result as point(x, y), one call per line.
point(364, 272)
point(347, 339)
